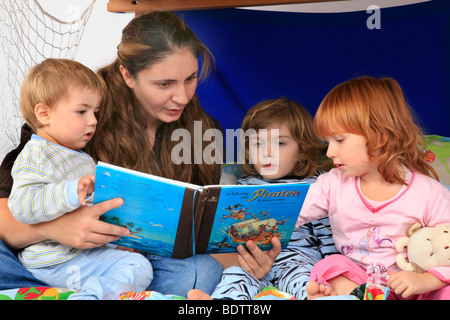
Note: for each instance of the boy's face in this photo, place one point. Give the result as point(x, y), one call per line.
point(273, 151)
point(71, 120)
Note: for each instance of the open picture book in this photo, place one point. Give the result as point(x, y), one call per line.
point(174, 218)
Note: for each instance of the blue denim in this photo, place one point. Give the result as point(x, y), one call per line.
point(12, 274)
point(170, 276)
point(178, 276)
point(99, 273)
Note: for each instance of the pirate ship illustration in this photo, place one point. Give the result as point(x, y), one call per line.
point(255, 229)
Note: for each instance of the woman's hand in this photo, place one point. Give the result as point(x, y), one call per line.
point(257, 262)
point(82, 228)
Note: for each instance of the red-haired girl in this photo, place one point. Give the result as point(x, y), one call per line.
point(380, 182)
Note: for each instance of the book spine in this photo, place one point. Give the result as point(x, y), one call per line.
point(205, 203)
point(183, 240)
point(209, 208)
point(200, 204)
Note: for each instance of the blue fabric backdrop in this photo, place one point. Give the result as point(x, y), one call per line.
point(263, 55)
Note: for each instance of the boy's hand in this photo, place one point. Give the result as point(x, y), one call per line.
point(257, 262)
point(408, 283)
point(85, 186)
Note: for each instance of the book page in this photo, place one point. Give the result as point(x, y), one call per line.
point(151, 209)
point(256, 212)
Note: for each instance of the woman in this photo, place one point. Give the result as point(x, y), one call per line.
point(150, 93)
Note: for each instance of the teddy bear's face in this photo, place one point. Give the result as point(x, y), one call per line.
point(441, 244)
point(429, 247)
point(420, 250)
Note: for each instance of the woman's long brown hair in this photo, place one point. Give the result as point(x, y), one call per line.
point(121, 137)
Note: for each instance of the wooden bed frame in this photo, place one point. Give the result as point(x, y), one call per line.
point(139, 6)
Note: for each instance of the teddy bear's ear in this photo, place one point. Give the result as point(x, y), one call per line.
point(413, 228)
point(401, 243)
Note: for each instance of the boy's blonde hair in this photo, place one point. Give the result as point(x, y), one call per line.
point(376, 109)
point(299, 123)
point(49, 81)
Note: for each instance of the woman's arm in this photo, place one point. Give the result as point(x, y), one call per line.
point(80, 228)
point(14, 233)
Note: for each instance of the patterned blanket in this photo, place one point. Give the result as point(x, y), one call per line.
point(49, 293)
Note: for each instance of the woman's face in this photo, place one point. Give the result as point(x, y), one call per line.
point(166, 87)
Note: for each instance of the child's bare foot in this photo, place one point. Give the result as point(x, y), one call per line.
point(196, 294)
point(315, 290)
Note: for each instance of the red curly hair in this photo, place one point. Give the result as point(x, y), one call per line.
point(376, 109)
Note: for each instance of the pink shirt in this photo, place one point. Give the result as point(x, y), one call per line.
point(366, 231)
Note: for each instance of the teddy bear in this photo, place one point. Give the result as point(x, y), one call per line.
point(427, 247)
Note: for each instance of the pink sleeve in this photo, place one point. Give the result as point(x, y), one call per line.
point(442, 273)
point(316, 203)
point(439, 213)
point(438, 210)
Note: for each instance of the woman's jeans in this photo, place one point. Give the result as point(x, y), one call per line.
point(12, 274)
point(170, 276)
point(178, 276)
